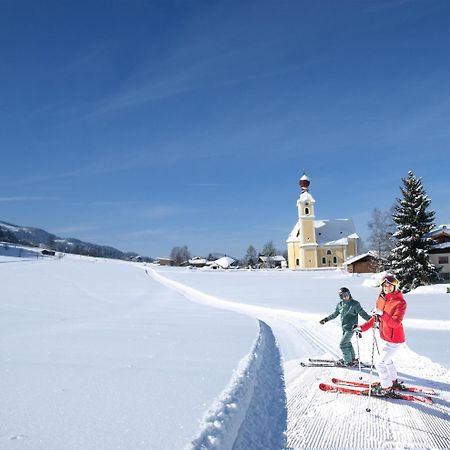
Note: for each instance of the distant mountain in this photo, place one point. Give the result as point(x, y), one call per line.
point(41, 238)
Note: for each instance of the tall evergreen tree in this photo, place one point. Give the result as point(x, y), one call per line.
point(409, 259)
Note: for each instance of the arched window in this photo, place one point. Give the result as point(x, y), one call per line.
point(297, 262)
point(334, 260)
point(306, 211)
point(329, 252)
point(324, 260)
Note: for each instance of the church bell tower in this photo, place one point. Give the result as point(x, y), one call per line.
point(302, 245)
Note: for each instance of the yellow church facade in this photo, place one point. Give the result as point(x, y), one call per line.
point(315, 244)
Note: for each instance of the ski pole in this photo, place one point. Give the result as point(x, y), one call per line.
point(359, 356)
point(376, 343)
point(371, 365)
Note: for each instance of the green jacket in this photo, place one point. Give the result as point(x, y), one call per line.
point(348, 310)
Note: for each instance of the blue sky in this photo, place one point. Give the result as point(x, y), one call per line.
point(150, 124)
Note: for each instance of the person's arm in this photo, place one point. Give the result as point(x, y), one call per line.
point(362, 312)
point(331, 316)
point(367, 325)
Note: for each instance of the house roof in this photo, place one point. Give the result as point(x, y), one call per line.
point(275, 258)
point(441, 246)
point(441, 230)
point(370, 253)
point(224, 262)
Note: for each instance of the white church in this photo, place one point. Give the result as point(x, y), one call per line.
point(314, 244)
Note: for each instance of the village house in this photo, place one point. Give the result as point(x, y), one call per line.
point(440, 251)
point(365, 263)
point(314, 244)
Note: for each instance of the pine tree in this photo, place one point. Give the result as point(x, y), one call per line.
point(409, 259)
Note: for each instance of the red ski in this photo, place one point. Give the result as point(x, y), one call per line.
point(420, 390)
point(395, 396)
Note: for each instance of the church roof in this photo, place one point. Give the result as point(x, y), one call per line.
point(333, 232)
point(330, 232)
point(306, 197)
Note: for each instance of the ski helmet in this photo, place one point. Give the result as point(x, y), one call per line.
point(389, 279)
point(344, 292)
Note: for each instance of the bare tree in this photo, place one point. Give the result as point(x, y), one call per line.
point(269, 251)
point(381, 227)
point(180, 255)
point(251, 257)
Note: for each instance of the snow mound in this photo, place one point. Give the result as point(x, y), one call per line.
point(252, 411)
point(433, 289)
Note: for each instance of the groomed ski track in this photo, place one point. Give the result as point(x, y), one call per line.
point(318, 420)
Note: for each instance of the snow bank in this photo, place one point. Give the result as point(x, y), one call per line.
point(251, 412)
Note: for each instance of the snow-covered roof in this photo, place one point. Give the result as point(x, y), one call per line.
point(441, 246)
point(359, 257)
point(330, 232)
point(334, 232)
point(275, 258)
point(440, 231)
point(197, 261)
point(306, 197)
point(224, 262)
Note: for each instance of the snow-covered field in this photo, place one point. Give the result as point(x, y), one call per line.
point(102, 354)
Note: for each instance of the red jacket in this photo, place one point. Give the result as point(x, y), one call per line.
point(391, 328)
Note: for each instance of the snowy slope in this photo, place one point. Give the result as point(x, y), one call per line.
point(323, 420)
point(95, 355)
point(106, 354)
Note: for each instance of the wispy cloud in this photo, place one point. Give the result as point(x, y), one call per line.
point(145, 232)
point(25, 199)
point(161, 212)
point(77, 229)
point(208, 184)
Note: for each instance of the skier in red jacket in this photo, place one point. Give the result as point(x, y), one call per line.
point(389, 313)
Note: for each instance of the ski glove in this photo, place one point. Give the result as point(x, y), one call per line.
point(323, 321)
point(357, 330)
point(376, 312)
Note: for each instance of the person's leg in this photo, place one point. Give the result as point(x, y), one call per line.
point(346, 347)
point(385, 366)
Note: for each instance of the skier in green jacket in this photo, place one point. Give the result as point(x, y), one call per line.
point(348, 309)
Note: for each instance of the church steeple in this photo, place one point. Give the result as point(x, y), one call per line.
point(305, 203)
point(304, 182)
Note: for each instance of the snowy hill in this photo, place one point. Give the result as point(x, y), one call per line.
point(107, 354)
point(38, 237)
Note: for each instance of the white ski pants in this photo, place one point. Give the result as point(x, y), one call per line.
point(385, 366)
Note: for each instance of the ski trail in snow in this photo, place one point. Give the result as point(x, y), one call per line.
point(327, 420)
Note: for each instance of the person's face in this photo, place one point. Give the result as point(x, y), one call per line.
point(388, 288)
point(345, 296)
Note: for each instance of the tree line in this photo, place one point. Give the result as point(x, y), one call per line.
point(180, 255)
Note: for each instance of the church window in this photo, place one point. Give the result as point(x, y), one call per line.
point(306, 211)
point(329, 252)
point(334, 260)
point(324, 260)
point(297, 262)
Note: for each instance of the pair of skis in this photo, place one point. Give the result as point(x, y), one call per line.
point(348, 387)
point(312, 362)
